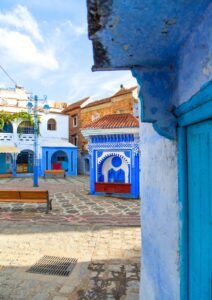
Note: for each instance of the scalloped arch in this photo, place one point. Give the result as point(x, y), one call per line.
point(107, 155)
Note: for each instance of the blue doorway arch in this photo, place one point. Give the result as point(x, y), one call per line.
point(59, 160)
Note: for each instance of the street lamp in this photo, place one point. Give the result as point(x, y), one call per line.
point(34, 108)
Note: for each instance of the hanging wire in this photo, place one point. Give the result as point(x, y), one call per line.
point(5, 72)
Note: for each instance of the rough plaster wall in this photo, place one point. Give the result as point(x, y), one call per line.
point(159, 211)
point(195, 59)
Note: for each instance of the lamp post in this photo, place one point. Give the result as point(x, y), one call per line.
point(34, 108)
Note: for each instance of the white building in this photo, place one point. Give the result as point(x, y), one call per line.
point(54, 149)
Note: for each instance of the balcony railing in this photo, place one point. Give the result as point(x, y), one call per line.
point(6, 136)
point(26, 137)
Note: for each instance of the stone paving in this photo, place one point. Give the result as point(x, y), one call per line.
point(71, 204)
point(102, 233)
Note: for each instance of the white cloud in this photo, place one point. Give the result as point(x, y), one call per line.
point(60, 67)
point(20, 48)
point(98, 85)
point(75, 29)
point(21, 42)
point(20, 18)
point(111, 85)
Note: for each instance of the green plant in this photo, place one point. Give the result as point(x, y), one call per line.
point(7, 117)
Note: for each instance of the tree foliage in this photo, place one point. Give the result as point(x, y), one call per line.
point(7, 117)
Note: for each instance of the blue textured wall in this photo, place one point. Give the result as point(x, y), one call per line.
point(157, 41)
point(195, 59)
point(161, 278)
point(141, 33)
point(167, 44)
point(164, 90)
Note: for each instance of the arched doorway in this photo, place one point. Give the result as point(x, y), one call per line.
point(87, 165)
point(59, 161)
point(8, 128)
point(24, 161)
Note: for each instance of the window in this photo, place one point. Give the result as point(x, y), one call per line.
point(75, 119)
point(51, 125)
point(25, 128)
point(75, 139)
point(61, 158)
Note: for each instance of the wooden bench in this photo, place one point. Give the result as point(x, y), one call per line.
point(54, 173)
point(26, 197)
point(7, 175)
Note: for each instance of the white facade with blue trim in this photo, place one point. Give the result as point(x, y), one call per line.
point(54, 149)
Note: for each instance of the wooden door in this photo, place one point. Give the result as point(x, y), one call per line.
point(199, 153)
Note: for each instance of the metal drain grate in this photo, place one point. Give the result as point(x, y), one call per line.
point(53, 265)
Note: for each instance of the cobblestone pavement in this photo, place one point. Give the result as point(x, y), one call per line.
point(102, 233)
point(71, 204)
point(107, 261)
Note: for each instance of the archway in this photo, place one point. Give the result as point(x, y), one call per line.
point(87, 165)
point(25, 127)
point(8, 128)
point(114, 167)
point(25, 161)
point(59, 161)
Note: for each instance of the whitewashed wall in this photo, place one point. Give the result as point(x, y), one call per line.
point(26, 141)
point(62, 126)
point(159, 216)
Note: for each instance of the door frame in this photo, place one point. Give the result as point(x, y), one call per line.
point(196, 109)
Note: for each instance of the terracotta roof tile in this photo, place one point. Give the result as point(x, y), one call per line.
point(114, 121)
point(75, 105)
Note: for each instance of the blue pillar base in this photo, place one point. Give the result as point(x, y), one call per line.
point(35, 176)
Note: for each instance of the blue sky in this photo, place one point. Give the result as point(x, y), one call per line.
point(45, 48)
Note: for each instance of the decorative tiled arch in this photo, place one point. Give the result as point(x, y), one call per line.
point(106, 156)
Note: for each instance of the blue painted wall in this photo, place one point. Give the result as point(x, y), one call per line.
point(3, 166)
point(48, 152)
point(161, 273)
point(167, 45)
point(195, 59)
point(105, 152)
point(84, 163)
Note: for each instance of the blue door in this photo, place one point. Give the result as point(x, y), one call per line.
point(3, 165)
point(199, 145)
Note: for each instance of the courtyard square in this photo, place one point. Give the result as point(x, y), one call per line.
point(101, 233)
